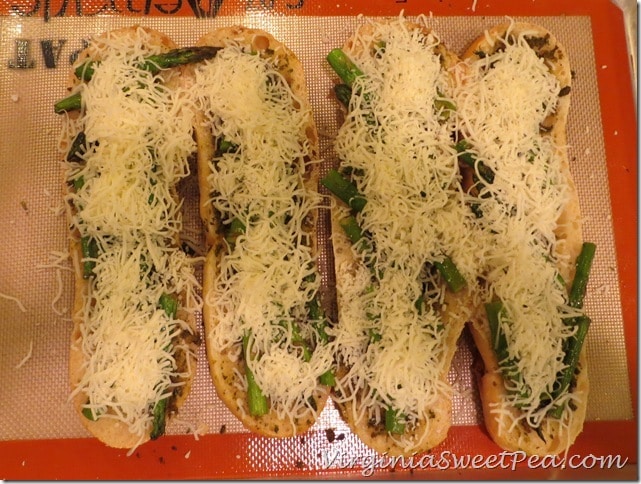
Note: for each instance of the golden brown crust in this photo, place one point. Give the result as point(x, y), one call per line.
point(226, 373)
point(110, 431)
point(375, 436)
point(569, 239)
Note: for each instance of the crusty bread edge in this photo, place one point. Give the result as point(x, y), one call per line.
point(492, 389)
point(376, 437)
point(224, 371)
point(112, 432)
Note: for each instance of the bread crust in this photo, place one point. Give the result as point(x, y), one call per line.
point(454, 318)
point(112, 432)
point(227, 374)
point(569, 240)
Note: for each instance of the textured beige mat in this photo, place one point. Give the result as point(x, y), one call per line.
point(36, 283)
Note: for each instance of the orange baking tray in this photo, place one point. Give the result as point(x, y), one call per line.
point(603, 450)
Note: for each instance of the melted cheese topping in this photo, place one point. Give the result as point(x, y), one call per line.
point(138, 138)
point(396, 141)
point(501, 105)
point(268, 276)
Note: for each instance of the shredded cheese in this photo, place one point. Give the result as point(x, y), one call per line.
point(268, 277)
point(396, 141)
point(58, 262)
point(9, 297)
point(502, 102)
point(27, 357)
point(138, 138)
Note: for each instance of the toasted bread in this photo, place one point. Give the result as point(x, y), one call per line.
point(272, 66)
point(506, 423)
point(355, 395)
point(107, 419)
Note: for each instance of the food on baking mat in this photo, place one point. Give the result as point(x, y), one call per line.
point(400, 236)
point(452, 202)
point(511, 112)
point(265, 329)
point(126, 139)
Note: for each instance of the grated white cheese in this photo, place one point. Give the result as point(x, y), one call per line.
point(266, 282)
point(59, 262)
point(501, 103)
point(398, 145)
point(27, 356)
point(15, 300)
point(138, 139)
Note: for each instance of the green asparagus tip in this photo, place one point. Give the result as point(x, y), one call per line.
point(582, 275)
point(160, 411)
point(394, 421)
point(70, 103)
point(156, 62)
point(343, 66)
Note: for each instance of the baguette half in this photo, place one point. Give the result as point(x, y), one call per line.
point(258, 169)
point(398, 322)
point(537, 60)
point(134, 337)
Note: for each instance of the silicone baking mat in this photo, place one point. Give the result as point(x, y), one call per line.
point(40, 434)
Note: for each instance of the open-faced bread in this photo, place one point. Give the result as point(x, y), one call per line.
point(398, 319)
point(512, 105)
point(125, 145)
point(258, 175)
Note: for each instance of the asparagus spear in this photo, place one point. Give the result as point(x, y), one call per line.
point(235, 229)
point(78, 147)
point(443, 106)
point(495, 312)
point(158, 426)
point(582, 274)
point(153, 64)
point(169, 304)
point(78, 182)
point(571, 360)
point(225, 146)
point(348, 72)
point(70, 103)
point(90, 414)
point(574, 343)
point(344, 190)
point(394, 421)
point(469, 159)
point(257, 402)
point(298, 340)
point(451, 274)
point(352, 229)
point(343, 94)
point(315, 313)
point(319, 323)
point(89, 248)
point(343, 66)
point(156, 62)
point(328, 379)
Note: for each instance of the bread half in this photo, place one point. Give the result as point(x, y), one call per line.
point(512, 103)
point(134, 339)
point(398, 321)
point(258, 176)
